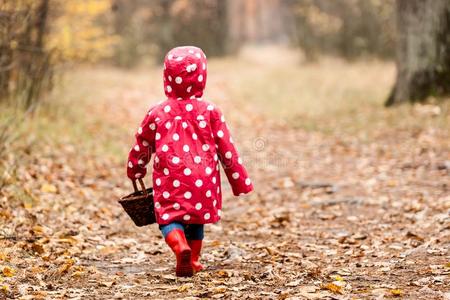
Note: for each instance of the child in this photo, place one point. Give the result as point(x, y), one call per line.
point(189, 137)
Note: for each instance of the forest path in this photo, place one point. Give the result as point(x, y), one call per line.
point(331, 216)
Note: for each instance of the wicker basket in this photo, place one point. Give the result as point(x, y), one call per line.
point(139, 205)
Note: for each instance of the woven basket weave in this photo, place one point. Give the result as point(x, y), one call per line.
point(139, 205)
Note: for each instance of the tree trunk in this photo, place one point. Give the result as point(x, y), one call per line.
point(423, 50)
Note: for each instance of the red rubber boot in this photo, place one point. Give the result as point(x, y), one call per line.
point(177, 242)
point(196, 247)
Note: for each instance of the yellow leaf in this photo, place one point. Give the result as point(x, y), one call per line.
point(8, 272)
point(397, 292)
point(447, 265)
point(337, 278)
point(66, 266)
point(333, 288)
point(5, 289)
point(48, 188)
point(37, 229)
point(2, 256)
point(183, 288)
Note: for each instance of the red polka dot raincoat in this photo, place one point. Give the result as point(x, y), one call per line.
point(189, 138)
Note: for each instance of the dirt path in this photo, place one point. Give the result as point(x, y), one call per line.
point(332, 217)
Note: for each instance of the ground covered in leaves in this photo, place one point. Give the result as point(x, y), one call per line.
point(340, 211)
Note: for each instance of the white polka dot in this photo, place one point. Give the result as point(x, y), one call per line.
point(194, 136)
point(188, 195)
point(197, 159)
point(210, 107)
point(214, 180)
point(184, 124)
point(165, 216)
point(191, 51)
point(200, 117)
point(198, 206)
point(198, 55)
point(170, 78)
point(158, 182)
point(137, 175)
point(156, 159)
point(215, 202)
point(228, 154)
point(204, 66)
point(167, 108)
point(198, 183)
point(178, 118)
point(200, 78)
point(231, 140)
point(166, 171)
point(176, 183)
point(141, 162)
point(248, 181)
point(186, 148)
point(189, 88)
point(220, 133)
point(219, 212)
point(168, 125)
point(130, 164)
point(218, 190)
point(235, 175)
point(157, 119)
point(178, 80)
point(176, 206)
point(169, 89)
point(166, 194)
point(208, 193)
point(180, 58)
point(207, 216)
point(216, 157)
point(136, 148)
point(157, 205)
point(176, 160)
point(208, 171)
point(222, 118)
point(205, 147)
point(145, 143)
point(189, 107)
point(157, 136)
point(140, 130)
point(175, 137)
point(191, 68)
point(202, 124)
point(240, 161)
point(186, 217)
point(187, 171)
point(170, 56)
point(165, 148)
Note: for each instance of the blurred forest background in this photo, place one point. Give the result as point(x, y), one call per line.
point(38, 37)
point(356, 191)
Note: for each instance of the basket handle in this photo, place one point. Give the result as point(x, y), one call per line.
point(141, 183)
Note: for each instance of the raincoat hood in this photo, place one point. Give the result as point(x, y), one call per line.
point(185, 73)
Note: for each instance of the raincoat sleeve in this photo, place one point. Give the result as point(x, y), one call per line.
point(141, 152)
point(228, 155)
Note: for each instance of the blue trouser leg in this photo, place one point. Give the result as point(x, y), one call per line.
point(192, 231)
point(166, 229)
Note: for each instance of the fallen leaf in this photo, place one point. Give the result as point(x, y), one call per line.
point(66, 266)
point(48, 188)
point(397, 292)
point(333, 287)
point(8, 271)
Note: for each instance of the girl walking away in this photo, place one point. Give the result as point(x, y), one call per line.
point(188, 137)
